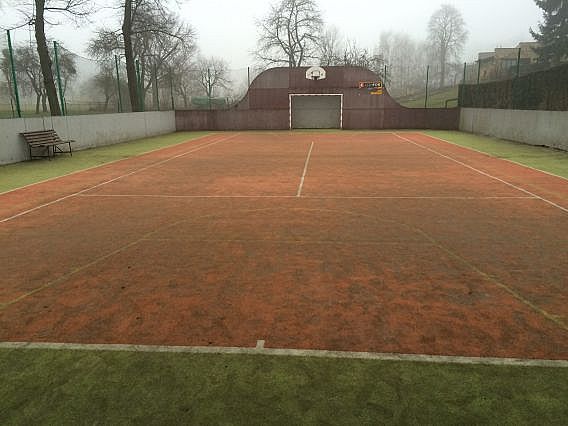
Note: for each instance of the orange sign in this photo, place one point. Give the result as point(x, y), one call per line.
point(370, 85)
point(375, 87)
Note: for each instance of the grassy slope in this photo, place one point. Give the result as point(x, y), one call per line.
point(21, 174)
point(436, 98)
point(549, 160)
point(41, 386)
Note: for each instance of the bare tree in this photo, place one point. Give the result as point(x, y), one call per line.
point(182, 76)
point(29, 72)
point(406, 61)
point(447, 35)
point(40, 12)
point(213, 74)
point(289, 35)
point(354, 55)
point(105, 82)
point(330, 46)
point(149, 30)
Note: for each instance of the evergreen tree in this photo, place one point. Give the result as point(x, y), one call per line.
point(553, 32)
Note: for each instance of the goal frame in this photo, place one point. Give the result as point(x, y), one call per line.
point(292, 95)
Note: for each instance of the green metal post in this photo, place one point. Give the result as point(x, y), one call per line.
point(118, 84)
point(172, 90)
point(478, 71)
point(427, 81)
point(464, 72)
point(209, 85)
point(519, 63)
point(57, 70)
point(139, 85)
point(156, 87)
point(14, 81)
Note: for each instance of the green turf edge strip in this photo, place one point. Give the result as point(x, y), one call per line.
point(311, 353)
point(73, 387)
point(115, 155)
point(515, 149)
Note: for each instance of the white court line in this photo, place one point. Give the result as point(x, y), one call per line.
point(104, 164)
point(315, 197)
point(182, 196)
point(310, 353)
point(296, 242)
point(518, 188)
point(199, 147)
point(498, 158)
point(299, 194)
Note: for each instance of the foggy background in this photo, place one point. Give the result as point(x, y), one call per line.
point(226, 28)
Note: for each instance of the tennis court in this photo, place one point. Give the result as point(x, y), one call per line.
point(348, 241)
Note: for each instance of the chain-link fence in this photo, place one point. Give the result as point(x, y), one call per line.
point(498, 69)
point(88, 86)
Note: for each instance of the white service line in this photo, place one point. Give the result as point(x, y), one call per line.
point(518, 188)
point(260, 349)
point(314, 197)
point(199, 147)
point(299, 193)
point(185, 196)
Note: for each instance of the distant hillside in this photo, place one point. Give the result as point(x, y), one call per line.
point(436, 98)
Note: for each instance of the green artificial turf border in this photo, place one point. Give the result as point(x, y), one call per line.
point(16, 175)
point(546, 159)
point(76, 387)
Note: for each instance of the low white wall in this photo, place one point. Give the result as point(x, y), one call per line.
point(88, 131)
point(548, 128)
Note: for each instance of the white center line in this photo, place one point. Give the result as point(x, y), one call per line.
point(299, 194)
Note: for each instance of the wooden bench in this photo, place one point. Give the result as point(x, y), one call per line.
point(46, 140)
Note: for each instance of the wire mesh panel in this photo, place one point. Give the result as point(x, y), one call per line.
point(85, 85)
point(6, 89)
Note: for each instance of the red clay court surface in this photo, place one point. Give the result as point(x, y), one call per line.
point(375, 242)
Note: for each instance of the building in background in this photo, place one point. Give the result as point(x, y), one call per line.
point(502, 62)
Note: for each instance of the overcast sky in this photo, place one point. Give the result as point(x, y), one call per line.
point(226, 28)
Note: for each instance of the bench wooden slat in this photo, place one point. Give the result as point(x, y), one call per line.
point(45, 139)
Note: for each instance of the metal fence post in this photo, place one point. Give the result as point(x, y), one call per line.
point(478, 70)
point(172, 90)
point(209, 91)
point(118, 84)
point(464, 72)
point(519, 63)
point(14, 81)
point(156, 87)
point(57, 70)
point(427, 80)
point(139, 85)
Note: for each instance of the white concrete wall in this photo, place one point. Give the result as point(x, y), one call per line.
point(88, 131)
point(548, 128)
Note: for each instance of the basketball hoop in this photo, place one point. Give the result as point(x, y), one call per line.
point(315, 73)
